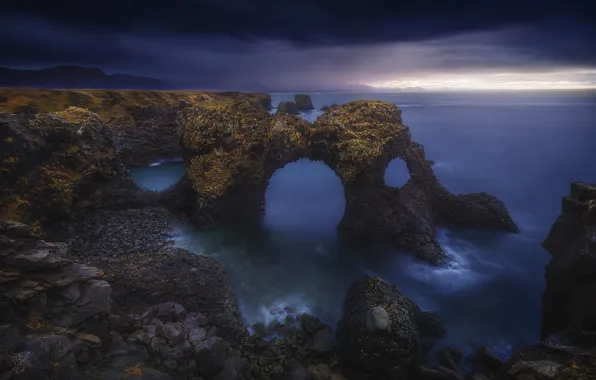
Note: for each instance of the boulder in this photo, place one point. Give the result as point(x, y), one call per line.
point(377, 318)
point(287, 108)
point(303, 102)
point(231, 150)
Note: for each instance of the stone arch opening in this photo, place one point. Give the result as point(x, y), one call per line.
point(397, 173)
point(304, 195)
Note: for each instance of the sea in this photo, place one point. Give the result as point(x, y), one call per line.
point(523, 147)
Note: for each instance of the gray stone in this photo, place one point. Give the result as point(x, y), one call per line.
point(197, 334)
point(174, 332)
point(378, 320)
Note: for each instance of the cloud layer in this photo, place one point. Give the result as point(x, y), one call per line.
point(307, 44)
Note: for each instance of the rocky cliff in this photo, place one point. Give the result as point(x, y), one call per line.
point(568, 347)
point(232, 148)
point(55, 165)
point(143, 121)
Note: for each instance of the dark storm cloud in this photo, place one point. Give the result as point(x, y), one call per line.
point(297, 43)
point(307, 21)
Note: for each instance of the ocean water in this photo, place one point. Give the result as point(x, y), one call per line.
point(524, 148)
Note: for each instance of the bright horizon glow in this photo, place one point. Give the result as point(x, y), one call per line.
point(579, 79)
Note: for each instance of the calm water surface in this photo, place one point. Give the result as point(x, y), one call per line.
point(524, 148)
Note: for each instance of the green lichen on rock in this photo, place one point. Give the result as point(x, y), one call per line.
point(48, 160)
point(144, 121)
point(365, 133)
point(232, 147)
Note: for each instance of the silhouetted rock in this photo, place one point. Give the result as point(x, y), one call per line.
point(569, 301)
point(303, 102)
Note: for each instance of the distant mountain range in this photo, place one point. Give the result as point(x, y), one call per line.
point(76, 77)
point(79, 77)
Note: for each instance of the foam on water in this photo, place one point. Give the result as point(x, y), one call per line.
point(457, 274)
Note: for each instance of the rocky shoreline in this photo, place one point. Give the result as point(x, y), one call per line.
point(92, 288)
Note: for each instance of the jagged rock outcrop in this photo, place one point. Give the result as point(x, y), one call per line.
point(36, 276)
point(143, 121)
point(287, 108)
point(57, 164)
point(379, 335)
point(232, 148)
point(48, 306)
point(569, 301)
point(303, 102)
point(568, 348)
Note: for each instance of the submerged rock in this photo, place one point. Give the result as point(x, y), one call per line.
point(379, 335)
point(231, 150)
point(287, 108)
point(303, 102)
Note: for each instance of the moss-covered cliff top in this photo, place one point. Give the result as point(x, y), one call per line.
point(45, 159)
point(362, 131)
point(111, 104)
point(226, 141)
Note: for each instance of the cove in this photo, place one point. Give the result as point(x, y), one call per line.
point(490, 294)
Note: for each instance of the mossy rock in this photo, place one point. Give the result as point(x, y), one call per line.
point(232, 147)
point(49, 159)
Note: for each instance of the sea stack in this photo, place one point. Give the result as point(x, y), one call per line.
point(303, 102)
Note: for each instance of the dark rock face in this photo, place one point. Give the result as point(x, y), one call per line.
point(568, 348)
point(55, 165)
point(288, 108)
point(231, 150)
point(52, 301)
point(569, 301)
point(38, 278)
point(132, 248)
point(378, 318)
point(199, 282)
point(303, 102)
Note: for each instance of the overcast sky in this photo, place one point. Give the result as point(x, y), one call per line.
point(312, 44)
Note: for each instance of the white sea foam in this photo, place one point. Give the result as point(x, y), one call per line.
point(457, 274)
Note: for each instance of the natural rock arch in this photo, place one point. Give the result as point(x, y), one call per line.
point(305, 194)
point(397, 173)
point(232, 148)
